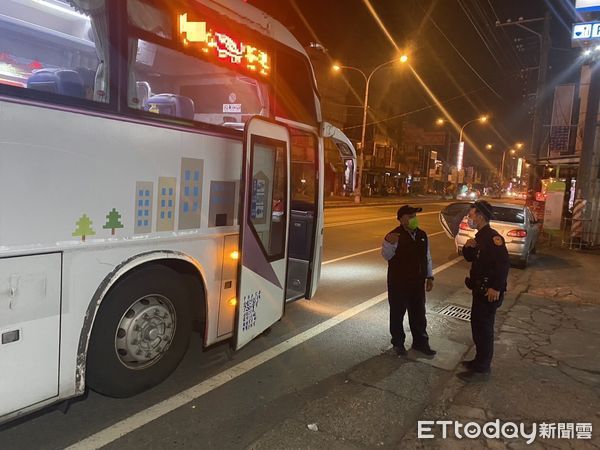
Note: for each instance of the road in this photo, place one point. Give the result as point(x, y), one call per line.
point(230, 401)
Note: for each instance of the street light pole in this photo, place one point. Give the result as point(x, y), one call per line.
point(461, 144)
point(512, 151)
point(402, 59)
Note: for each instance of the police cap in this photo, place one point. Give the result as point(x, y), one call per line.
point(484, 208)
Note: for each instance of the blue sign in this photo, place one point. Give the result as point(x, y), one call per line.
point(587, 5)
point(586, 31)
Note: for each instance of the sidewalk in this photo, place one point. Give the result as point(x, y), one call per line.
point(546, 369)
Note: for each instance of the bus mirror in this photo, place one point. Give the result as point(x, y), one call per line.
point(327, 130)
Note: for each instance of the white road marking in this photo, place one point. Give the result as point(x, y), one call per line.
point(447, 265)
point(132, 423)
point(387, 205)
point(436, 233)
point(353, 222)
point(341, 258)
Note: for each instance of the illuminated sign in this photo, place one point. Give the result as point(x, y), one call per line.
point(588, 30)
point(587, 5)
point(459, 157)
point(223, 46)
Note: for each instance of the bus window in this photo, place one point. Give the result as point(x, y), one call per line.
point(295, 98)
point(168, 82)
point(268, 196)
point(149, 18)
point(302, 169)
point(55, 47)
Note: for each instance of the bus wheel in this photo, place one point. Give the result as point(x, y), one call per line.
point(140, 333)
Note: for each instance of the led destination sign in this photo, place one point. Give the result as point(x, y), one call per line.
point(207, 40)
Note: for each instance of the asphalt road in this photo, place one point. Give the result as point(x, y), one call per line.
point(231, 400)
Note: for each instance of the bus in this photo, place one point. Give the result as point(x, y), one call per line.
point(161, 170)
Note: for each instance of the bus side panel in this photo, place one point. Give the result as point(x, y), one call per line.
point(29, 330)
point(78, 181)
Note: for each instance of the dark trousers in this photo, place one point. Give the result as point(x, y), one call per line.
point(409, 297)
point(483, 316)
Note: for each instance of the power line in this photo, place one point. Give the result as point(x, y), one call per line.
point(425, 108)
point(463, 58)
point(512, 55)
point(483, 39)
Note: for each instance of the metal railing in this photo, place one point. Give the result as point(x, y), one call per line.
point(578, 234)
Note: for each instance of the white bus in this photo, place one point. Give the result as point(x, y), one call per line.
point(161, 171)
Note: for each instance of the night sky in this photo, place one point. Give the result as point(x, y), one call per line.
point(352, 37)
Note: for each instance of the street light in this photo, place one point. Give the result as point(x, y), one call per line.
point(461, 144)
point(489, 146)
point(337, 68)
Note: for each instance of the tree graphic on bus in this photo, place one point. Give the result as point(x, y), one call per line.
point(113, 221)
point(84, 227)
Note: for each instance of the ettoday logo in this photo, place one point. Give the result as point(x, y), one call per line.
point(430, 429)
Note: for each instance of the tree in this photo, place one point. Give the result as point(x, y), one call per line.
point(84, 228)
point(113, 221)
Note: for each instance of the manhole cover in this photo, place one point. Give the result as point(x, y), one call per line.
point(457, 312)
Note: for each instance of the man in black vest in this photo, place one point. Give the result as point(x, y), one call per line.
point(487, 279)
point(406, 248)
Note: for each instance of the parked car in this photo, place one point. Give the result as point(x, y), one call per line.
point(516, 224)
point(469, 195)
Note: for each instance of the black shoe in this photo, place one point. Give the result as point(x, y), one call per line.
point(426, 350)
point(471, 376)
point(469, 365)
point(400, 350)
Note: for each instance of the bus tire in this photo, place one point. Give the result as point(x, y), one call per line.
point(140, 333)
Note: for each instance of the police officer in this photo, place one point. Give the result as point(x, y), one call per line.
point(487, 279)
point(406, 248)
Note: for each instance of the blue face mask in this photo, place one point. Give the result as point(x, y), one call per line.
point(471, 223)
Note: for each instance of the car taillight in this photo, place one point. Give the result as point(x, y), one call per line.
point(517, 233)
point(464, 226)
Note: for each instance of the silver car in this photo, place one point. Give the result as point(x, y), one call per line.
point(516, 223)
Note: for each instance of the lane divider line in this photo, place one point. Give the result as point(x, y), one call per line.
point(388, 205)
point(138, 420)
point(341, 258)
point(377, 219)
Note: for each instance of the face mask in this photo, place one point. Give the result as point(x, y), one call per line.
point(413, 223)
point(471, 223)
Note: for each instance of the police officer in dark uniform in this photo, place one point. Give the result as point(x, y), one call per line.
point(406, 248)
point(487, 279)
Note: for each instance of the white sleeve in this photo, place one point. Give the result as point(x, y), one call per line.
point(388, 250)
point(429, 262)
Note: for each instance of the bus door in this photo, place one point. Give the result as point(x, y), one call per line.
point(263, 229)
point(348, 156)
point(304, 212)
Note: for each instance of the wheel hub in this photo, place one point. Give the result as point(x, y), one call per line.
point(145, 331)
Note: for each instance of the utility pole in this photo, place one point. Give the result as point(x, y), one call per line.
point(587, 178)
point(540, 111)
